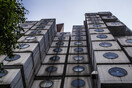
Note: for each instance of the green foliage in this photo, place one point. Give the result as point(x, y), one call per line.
point(12, 13)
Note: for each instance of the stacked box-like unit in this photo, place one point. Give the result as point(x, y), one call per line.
point(111, 66)
point(78, 68)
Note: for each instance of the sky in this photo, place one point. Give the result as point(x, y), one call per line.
point(71, 12)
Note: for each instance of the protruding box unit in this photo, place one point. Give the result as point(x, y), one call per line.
point(78, 43)
point(94, 26)
point(99, 31)
point(57, 50)
point(52, 59)
point(24, 62)
point(77, 69)
point(104, 13)
point(115, 76)
point(77, 82)
point(105, 45)
point(60, 43)
point(125, 41)
point(109, 18)
point(100, 37)
point(81, 58)
point(50, 70)
point(47, 83)
point(76, 50)
point(11, 78)
point(78, 38)
point(111, 57)
point(34, 49)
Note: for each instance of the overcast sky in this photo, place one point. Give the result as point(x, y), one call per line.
point(71, 12)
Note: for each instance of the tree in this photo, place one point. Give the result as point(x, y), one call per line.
point(12, 13)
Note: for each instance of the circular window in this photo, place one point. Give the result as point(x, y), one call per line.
point(105, 44)
point(78, 38)
point(51, 69)
point(23, 46)
point(3, 72)
point(99, 30)
point(78, 68)
point(57, 50)
point(118, 72)
point(78, 33)
point(97, 25)
point(116, 24)
point(36, 32)
point(55, 58)
point(78, 83)
point(61, 38)
point(129, 40)
point(46, 84)
point(110, 55)
point(30, 38)
point(78, 58)
point(78, 43)
point(78, 49)
point(101, 36)
point(59, 43)
point(78, 29)
point(62, 33)
point(15, 57)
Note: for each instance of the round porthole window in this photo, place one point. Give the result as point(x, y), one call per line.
point(97, 25)
point(57, 50)
point(116, 24)
point(30, 38)
point(46, 84)
point(102, 36)
point(78, 68)
point(59, 43)
point(23, 46)
point(129, 40)
point(15, 57)
point(62, 33)
point(78, 33)
point(118, 72)
point(3, 72)
point(99, 30)
point(105, 44)
point(78, 49)
point(78, 29)
point(78, 38)
point(55, 58)
point(51, 69)
point(36, 32)
point(78, 43)
point(61, 38)
point(78, 58)
point(110, 55)
point(78, 83)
